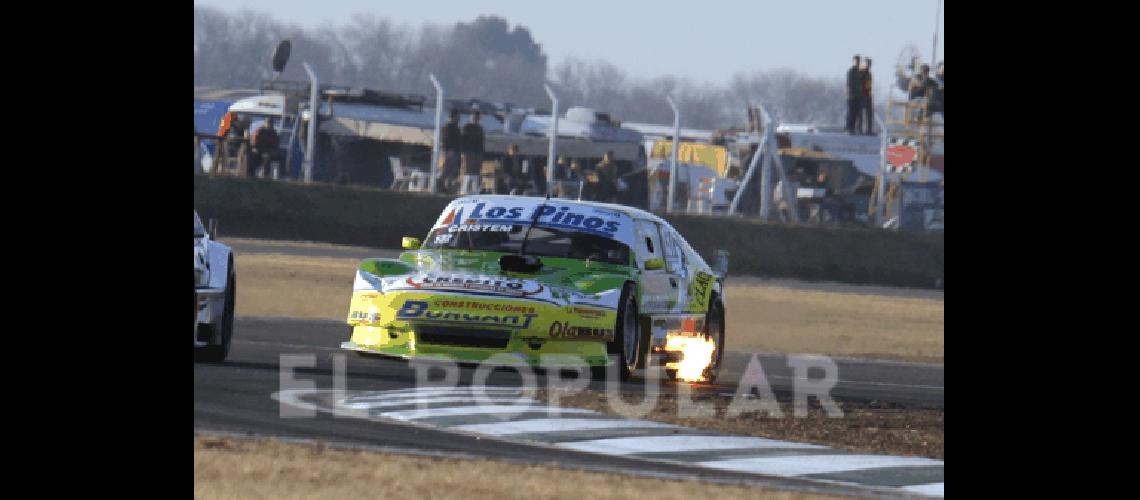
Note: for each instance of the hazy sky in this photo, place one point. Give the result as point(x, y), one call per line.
point(707, 40)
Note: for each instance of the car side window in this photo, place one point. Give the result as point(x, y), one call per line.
point(199, 230)
point(648, 242)
point(691, 256)
point(674, 254)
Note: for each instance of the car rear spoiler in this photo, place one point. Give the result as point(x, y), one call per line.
point(207, 291)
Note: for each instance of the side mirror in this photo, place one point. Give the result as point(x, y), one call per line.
point(212, 229)
point(410, 243)
point(520, 263)
point(654, 264)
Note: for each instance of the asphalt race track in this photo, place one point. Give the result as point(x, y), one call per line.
point(235, 397)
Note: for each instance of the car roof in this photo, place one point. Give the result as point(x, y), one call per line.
point(635, 213)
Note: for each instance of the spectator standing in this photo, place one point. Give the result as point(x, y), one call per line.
point(575, 173)
point(451, 141)
point(561, 173)
point(830, 204)
point(560, 167)
point(607, 173)
point(868, 101)
point(854, 96)
point(265, 149)
point(579, 175)
point(783, 208)
point(472, 146)
point(511, 180)
point(537, 172)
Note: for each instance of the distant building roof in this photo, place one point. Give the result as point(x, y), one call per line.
point(207, 93)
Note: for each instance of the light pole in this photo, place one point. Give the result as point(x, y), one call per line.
point(881, 191)
point(435, 140)
point(314, 111)
point(550, 158)
point(676, 143)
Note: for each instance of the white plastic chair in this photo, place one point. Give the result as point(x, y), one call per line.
point(400, 177)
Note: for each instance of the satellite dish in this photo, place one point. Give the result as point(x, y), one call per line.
point(281, 55)
point(908, 62)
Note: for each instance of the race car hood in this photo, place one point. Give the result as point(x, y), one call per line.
point(560, 281)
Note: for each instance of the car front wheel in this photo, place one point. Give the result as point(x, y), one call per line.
point(627, 347)
point(217, 353)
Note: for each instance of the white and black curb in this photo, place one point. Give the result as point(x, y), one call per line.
point(503, 413)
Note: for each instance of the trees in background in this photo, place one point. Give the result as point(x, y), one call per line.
point(491, 60)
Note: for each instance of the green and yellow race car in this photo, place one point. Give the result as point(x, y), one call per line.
point(553, 283)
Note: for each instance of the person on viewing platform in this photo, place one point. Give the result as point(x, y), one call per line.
point(266, 144)
point(472, 145)
point(867, 105)
point(450, 141)
point(938, 100)
point(922, 86)
point(854, 96)
point(921, 83)
point(232, 132)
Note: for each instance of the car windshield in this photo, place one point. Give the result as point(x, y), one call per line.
point(542, 241)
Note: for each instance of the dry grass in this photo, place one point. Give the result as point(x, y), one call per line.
point(783, 319)
point(762, 316)
point(300, 287)
point(875, 427)
point(257, 468)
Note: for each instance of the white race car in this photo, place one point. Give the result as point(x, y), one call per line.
point(215, 287)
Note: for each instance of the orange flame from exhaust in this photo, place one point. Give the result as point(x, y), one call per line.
point(696, 355)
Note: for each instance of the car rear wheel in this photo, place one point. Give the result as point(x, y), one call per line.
point(714, 329)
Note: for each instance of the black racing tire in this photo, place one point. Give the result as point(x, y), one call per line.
point(195, 305)
point(628, 354)
point(217, 353)
point(714, 329)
